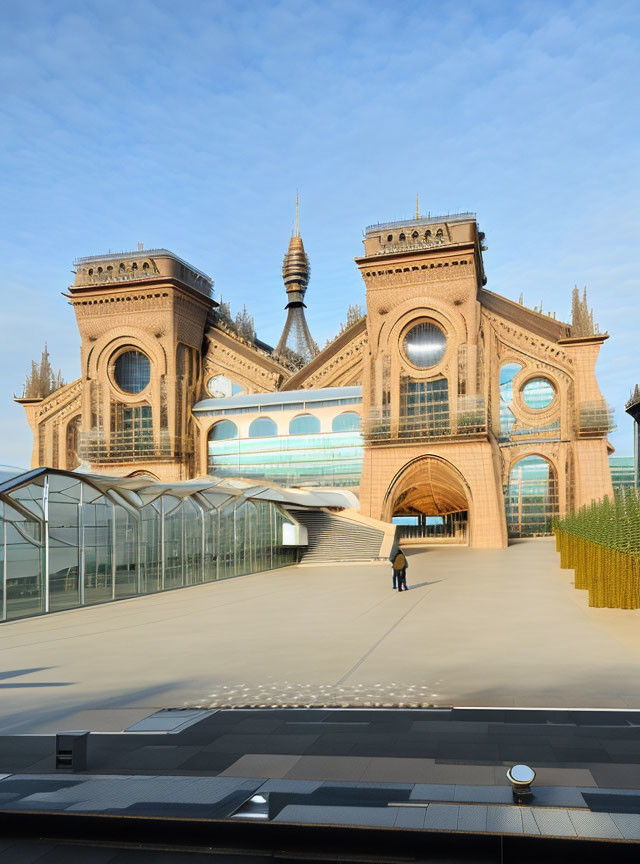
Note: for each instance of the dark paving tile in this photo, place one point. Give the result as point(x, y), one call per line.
point(28, 786)
point(63, 854)
point(604, 718)
point(462, 750)
point(260, 726)
point(581, 755)
point(612, 803)
point(526, 750)
point(285, 744)
point(336, 747)
point(210, 763)
point(26, 852)
point(616, 776)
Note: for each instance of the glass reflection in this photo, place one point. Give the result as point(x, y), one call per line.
point(425, 345)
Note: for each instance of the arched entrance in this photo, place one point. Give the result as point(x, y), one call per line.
point(429, 501)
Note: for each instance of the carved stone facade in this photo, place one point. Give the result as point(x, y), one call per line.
point(476, 411)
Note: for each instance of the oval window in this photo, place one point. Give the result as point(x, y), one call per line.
point(538, 393)
point(132, 371)
point(425, 345)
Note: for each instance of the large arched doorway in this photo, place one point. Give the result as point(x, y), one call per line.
point(429, 501)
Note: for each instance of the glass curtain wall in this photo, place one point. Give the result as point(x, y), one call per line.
point(532, 497)
point(323, 459)
point(63, 544)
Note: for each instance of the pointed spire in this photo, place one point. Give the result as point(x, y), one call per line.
point(297, 215)
point(417, 206)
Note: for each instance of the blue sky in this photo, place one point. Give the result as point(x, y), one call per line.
point(190, 125)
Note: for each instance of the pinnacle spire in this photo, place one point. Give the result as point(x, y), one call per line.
point(297, 215)
point(417, 206)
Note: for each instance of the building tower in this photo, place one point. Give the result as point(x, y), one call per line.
point(633, 409)
point(295, 274)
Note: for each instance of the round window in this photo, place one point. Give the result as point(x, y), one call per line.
point(425, 345)
point(538, 393)
point(132, 371)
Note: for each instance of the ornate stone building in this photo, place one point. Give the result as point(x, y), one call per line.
point(460, 414)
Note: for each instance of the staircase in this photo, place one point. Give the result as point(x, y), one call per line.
point(335, 538)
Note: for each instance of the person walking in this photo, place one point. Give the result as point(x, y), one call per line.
point(400, 565)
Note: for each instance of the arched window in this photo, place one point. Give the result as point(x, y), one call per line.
point(415, 235)
point(507, 417)
point(439, 232)
point(427, 234)
point(134, 266)
point(145, 266)
point(304, 424)
point(402, 237)
point(532, 497)
point(389, 238)
point(122, 268)
point(262, 427)
point(73, 440)
point(348, 421)
point(223, 430)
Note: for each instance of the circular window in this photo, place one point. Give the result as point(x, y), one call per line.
point(538, 393)
point(132, 371)
point(425, 345)
point(220, 387)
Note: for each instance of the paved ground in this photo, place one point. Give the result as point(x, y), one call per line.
point(494, 628)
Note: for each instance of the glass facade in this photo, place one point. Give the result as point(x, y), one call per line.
point(65, 543)
point(532, 497)
point(325, 459)
point(622, 471)
point(425, 345)
point(132, 371)
point(538, 393)
point(507, 417)
point(424, 407)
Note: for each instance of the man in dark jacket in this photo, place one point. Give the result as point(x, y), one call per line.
point(400, 565)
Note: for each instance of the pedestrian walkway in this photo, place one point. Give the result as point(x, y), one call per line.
point(476, 628)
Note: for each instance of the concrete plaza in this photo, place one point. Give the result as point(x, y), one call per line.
point(476, 628)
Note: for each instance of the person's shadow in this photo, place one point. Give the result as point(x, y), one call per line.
point(422, 584)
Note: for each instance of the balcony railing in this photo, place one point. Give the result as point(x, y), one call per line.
point(142, 446)
point(595, 419)
point(466, 417)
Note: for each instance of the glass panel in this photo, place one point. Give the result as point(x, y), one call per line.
point(64, 542)
point(262, 427)
point(150, 548)
point(507, 417)
point(126, 548)
point(97, 520)
point(132, 371)
point(329, 459)
point(348, 421)
point(304, 424)
point(192, 543)
point(538, 393)
point(425, 345)
point(173, 516)
point(24, 564)
point(223, 431)
point(532, 497)
point(424, 407)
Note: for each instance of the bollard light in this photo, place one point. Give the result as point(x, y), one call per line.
point(521, 777)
